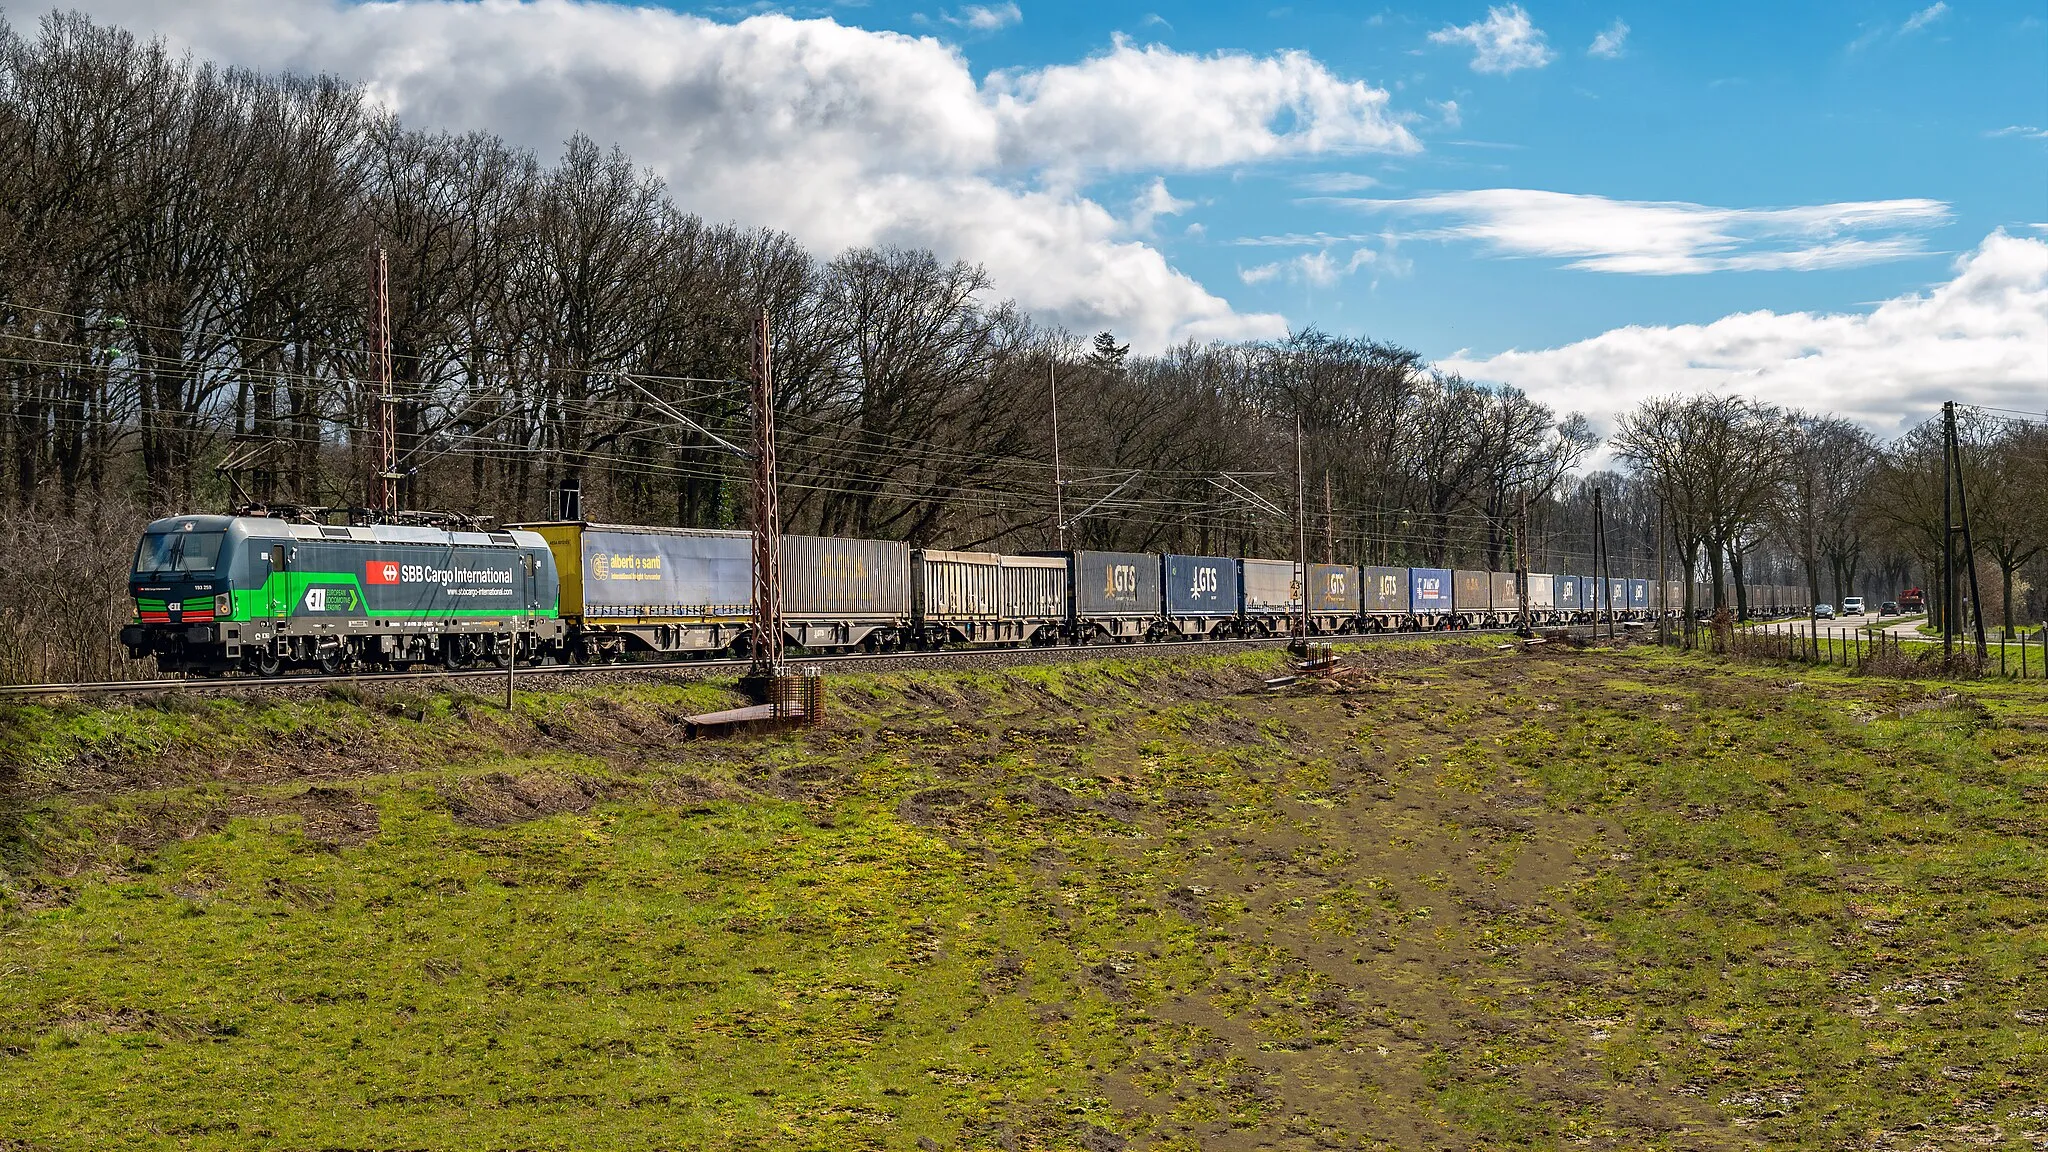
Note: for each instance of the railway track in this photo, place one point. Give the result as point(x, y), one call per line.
point(492, 678)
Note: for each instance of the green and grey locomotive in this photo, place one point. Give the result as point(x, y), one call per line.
point(242, 593)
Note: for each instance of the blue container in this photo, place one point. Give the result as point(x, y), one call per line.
point(1568, 593)
point(1201, 586)
point(1639, 595)
point(1429, 591)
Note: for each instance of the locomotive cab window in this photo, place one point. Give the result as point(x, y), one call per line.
point(178, 552)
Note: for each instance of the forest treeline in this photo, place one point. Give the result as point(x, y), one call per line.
point(186, 283)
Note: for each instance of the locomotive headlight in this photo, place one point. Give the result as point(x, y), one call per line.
point(224, 604)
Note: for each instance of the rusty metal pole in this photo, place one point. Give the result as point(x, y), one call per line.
point(765, 647)
point(387, 417)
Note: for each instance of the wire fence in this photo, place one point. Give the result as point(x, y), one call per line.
point(1888, 652)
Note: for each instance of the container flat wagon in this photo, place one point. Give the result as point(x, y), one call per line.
point(1472, 597)
point(1116, 596)
point(629, 589)
point(839, 594)
point(1542, 598)
point(1201, 595)
point(1333, 603)
point(1430, 601)
point(1383, 603)
point(1272, 596)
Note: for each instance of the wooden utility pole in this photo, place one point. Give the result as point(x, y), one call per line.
point(1300, 536)
point(1059, 484)
point(1955, 449)
point(765, 648)
point(1329, 522)
point(1603, 569)
point(1948, 531)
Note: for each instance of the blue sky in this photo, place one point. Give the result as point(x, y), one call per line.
point(1835, 206)
point(1731, 105)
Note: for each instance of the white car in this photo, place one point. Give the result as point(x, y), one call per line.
point(1853, 606)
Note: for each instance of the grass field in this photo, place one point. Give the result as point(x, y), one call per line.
point(1466, 899)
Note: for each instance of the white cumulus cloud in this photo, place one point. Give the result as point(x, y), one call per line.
point(1506, 41)
point(1665, 238)
point(1980, 337)
point(1611, 42)
point(839, 135)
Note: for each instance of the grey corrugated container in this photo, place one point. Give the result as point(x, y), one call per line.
point(1472, 591)
point(1333, 589)
point(1271, 586)
point(824, 578)
point(1506, 597)
point(665, 571)
point(1542, 591)
point(1034, 587)
point(957, 585)
point(1201, 585)
point(1384, 590)
point(1116, 584)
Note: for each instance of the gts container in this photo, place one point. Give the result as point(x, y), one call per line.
point(1332, 597)
point(1117, 595)
point(1201, 594)
point(1506, 597)
point(1383, 597)
point(842, 593)
point(1542, 592)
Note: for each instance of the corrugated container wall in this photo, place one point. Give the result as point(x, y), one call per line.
point(1201, 586)
point(1472, 591)
point(1034, 587)
point(1116, 584)
point(1385, 591)
point(1429, 590)
point(825, 578)
point(1333, 589)
point(1272, 586)
point(1542, 591)
point(1569, 593)
point(958, 585)
point(1639, 595)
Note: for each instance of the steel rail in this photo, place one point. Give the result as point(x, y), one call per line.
point(1018, 655)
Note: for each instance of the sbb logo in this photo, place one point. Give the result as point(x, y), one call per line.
point(381, 572)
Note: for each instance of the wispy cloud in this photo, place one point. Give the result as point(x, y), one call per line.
point(1506, 41)
point(1337, 182)
point(1316, 269)
point(1611, 42)
point(1667, 238)
point(2024, 131)
point(986, 17)
point(1924, 17)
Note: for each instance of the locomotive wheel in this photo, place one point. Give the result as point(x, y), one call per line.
point(333, 661)
point(265, 662)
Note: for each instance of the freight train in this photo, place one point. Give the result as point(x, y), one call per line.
point(257, 594)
